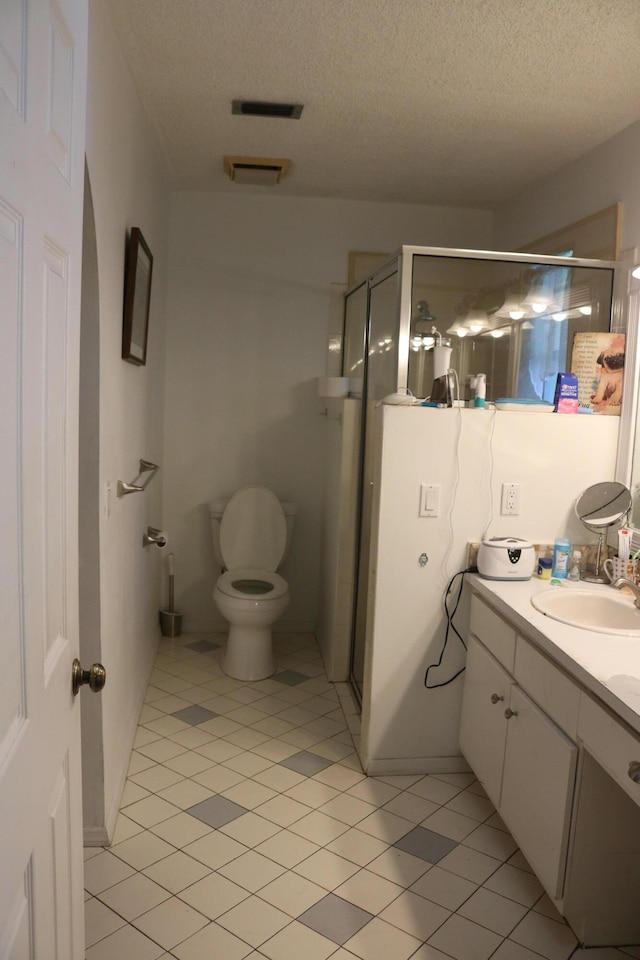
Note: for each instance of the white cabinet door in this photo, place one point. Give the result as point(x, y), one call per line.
point(537, 789)
point(483, 728)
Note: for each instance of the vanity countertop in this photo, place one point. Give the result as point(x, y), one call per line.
point(608, 665)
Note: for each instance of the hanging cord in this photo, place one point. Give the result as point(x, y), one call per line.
point(450, 627)
point(491, 466)
point(456, 481)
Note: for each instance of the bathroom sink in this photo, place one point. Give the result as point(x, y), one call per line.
point(589, 609)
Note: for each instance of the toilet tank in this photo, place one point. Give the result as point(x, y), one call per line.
point(216, 510)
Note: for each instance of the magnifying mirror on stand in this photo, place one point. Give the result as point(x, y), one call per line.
point(600, 507)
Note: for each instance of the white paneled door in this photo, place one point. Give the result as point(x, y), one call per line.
point(43, 52)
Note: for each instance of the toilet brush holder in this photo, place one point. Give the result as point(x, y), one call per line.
point(170, 620)
point(170, 623)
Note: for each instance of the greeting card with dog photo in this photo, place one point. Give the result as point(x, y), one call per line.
point(598, 362)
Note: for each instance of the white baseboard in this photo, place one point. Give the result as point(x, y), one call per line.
point(95, 837)
point(387, 766)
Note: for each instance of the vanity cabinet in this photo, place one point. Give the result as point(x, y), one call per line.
point(524, 761)
point(561, 768)
point(483, 728)
point(537, 789)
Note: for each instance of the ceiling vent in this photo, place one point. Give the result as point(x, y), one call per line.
point(260, 108)
point(259, 171)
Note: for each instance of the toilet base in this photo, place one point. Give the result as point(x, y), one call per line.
point(249, 653)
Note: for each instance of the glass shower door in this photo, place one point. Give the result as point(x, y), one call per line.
point(381, 379)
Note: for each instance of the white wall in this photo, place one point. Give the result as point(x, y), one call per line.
point(604, 176)
point(129, 188)
point(470, 453)
point(248, 302)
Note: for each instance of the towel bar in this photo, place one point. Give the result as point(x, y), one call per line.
point(146, 466)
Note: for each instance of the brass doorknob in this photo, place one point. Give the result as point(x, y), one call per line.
point(96, 677)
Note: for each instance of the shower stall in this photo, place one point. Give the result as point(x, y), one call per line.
point(513, 317)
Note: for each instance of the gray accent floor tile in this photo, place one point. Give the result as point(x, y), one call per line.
point(291, 677)
point(426, 844)
point(194, 715)
point(202, 646)
point(306, 763)
point(216, 811)
point(335, 918)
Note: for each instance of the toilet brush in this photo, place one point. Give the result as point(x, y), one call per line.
point(170, 620)
point(170, 565)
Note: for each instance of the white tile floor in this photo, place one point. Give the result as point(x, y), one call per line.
point(248, 829)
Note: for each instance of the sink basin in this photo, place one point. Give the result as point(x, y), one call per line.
point(589, 609)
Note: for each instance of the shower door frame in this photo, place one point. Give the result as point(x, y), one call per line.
point(402, 263)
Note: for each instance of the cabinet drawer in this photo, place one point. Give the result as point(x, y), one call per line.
point(494, 632)
point(610, 743)
point(554, 692)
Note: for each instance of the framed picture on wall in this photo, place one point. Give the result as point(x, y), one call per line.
point(137, 295)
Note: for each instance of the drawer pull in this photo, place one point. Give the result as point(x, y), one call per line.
point(634, 771)
point(510, 713)
point(495, 698)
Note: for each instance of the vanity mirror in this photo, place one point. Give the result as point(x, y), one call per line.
point(600, 507)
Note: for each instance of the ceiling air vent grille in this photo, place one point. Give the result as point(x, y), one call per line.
point(260, 171)
point(260, 108)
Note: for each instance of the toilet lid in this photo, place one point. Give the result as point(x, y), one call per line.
point(253, 530)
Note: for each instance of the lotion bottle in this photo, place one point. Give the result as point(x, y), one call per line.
point(481, 389)
point(574, 566)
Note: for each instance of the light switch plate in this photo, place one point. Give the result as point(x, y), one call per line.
point(429, 499)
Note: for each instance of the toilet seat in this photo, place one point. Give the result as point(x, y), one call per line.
point(253, 530)
point(252, 583)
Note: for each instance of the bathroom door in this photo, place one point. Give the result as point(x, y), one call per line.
point(42, 123)
point(381, 379)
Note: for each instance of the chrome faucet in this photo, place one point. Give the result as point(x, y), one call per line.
point(634, 587)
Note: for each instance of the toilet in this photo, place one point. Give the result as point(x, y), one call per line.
point(251, 536)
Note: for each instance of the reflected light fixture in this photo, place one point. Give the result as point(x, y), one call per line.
point(457, 330)
point(586, 310)
point(636, 271)
point(560, 315)
point(496, 334)
point(476, 320)
point(511, 308)
point(540, 294)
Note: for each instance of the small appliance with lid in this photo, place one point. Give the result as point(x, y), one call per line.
point(506, 558)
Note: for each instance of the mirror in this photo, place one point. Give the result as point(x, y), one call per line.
point(599, 507)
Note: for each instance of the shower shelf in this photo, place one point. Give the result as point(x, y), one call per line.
point(147, 467)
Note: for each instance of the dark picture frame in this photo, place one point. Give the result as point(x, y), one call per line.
point(137, 296)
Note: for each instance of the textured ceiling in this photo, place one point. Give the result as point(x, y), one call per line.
point(452, 102)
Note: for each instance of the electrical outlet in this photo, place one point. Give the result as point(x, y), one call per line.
point(510, 505)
